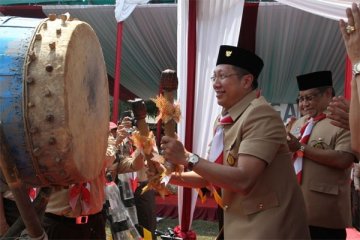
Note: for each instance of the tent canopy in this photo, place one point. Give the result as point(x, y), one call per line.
point(290, 41)
point(148, 44)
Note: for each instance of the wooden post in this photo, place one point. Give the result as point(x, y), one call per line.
point(169, 85)
point(139, 110)
point(22, 199)
point(39, 204)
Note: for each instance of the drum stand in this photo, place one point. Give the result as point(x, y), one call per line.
point(26, 209)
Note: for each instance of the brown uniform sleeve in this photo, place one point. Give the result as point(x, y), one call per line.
point(263, 133)
point(342, 142)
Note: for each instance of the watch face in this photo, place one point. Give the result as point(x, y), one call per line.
point(193, 158)
point(357, 67)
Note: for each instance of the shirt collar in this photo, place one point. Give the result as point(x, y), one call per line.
point(236, 110)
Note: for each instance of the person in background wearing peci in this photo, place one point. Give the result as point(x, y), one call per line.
point(249, 158)
point(322, 159)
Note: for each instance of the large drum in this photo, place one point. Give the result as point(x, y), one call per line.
point(54, 104)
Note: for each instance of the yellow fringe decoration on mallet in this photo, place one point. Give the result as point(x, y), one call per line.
point(146, 144)
point(167, 110)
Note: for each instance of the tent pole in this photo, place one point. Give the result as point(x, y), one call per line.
point(117, 72)
point(23, 203)
point(186, 218)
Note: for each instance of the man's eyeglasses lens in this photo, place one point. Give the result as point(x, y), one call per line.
point(309, 97)
point(222, 76)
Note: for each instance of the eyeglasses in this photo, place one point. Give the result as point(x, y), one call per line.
point(309, 97)
point(222, 76)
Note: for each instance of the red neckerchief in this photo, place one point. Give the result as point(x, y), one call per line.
point(305, 133)
point(80, 191)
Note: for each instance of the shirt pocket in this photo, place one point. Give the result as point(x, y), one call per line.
point(332, 189)
point(261, 203)
point(321, 143)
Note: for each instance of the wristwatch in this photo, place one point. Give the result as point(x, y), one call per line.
point(356, 69)
point(192, 160)
point(302, 148)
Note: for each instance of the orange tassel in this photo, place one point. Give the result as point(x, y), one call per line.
point(201, 195)
point(217, 198)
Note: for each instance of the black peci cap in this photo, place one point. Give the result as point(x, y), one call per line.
point(240, 58)
point(314, 80)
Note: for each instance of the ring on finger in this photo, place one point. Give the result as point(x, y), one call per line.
point(350, 29)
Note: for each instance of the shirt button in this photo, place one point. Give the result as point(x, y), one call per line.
point(261, 206)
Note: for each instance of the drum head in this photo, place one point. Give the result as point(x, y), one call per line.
point(66, 103)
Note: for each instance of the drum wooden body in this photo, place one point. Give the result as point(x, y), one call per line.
point(54, 104)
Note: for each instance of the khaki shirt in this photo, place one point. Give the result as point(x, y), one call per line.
point(326, 189)
point(275, 207)
point(59, 199)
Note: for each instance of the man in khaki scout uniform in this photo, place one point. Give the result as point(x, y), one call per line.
point(326, 156)
point(261, 197)
point(82, 216)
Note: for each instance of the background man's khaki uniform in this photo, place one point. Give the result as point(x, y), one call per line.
point(326, 189)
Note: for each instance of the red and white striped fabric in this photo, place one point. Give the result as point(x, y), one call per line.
point(216, 153)
point(305, 133)
point(80, 192)
point(217, 146)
